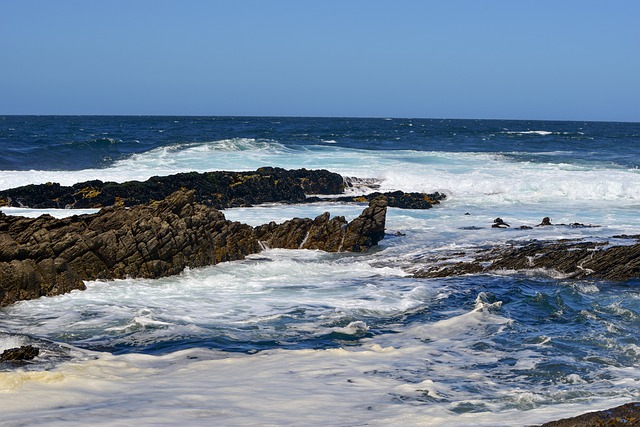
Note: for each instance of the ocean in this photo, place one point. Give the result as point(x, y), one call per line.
point(301, 337)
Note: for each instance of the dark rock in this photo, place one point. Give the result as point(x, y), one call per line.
point(218, 189)
point(626, 236)
point(545, 222)
point(26, 352)
point(398, 199)
point(46, 256)
point(622, 416)
point(499, 223)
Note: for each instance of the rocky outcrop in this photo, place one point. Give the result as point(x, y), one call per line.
point(621, 416)
point(48, 256)
point(331, 235)
point(571, 259)
point(218, 189)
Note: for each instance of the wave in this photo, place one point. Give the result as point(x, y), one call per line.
point(540, 132)
point(467, 178)
point(531, 132)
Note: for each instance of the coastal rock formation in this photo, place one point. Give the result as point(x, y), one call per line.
point(218, 189)
point(571, 259)
point(331, 235)
point(48, 256)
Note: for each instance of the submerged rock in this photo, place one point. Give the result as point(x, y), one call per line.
point(46, 256)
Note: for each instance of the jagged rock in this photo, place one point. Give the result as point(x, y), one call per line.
point(47, 256)
point(218, 189)
point(26, 352)
point(569, 259)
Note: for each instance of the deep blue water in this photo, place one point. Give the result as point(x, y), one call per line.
point(82, 142)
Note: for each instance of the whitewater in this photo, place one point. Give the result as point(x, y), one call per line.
point(299, 337)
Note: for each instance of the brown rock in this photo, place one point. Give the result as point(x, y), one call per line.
point(48, 256)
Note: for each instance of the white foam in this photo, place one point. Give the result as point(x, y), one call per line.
point(426, 378)
point(532, 132)
point(477, 179)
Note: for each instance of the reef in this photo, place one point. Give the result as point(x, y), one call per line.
point(46, 256)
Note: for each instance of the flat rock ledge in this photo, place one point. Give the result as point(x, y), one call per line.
point(45, 256)
point(567, 259)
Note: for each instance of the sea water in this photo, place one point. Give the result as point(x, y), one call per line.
point(299, 337)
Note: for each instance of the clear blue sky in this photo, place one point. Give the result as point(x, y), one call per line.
point(543, 59)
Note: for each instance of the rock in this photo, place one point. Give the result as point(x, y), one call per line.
point(545, 222)
point(571, 259)
point(398, 199)
point(46, 256)
point(499, 223)
point(218, 189)
point(26, 352)
point(622, 416)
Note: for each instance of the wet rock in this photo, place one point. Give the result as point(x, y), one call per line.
point(626, 415)
point(27, 352)
point(46, 256)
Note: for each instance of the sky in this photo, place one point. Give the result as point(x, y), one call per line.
point(492, 59)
